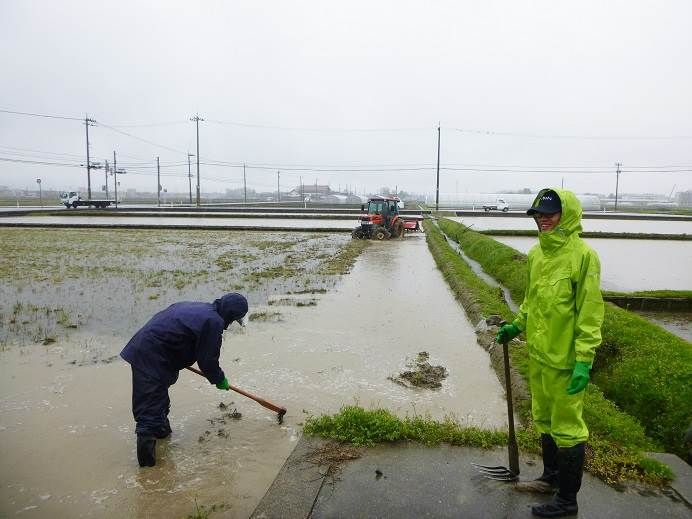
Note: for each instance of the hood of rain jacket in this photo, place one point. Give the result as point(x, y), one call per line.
point(231, 307)
point(562, 312)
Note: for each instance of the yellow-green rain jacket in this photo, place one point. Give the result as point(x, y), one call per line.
point(562, 310)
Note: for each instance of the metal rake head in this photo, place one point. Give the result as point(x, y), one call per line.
point(498, 473)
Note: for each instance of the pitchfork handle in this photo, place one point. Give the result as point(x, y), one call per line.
point(261, 401)
point(512, 443)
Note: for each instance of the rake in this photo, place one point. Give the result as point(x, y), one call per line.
point(499, 472)
point(281, 411)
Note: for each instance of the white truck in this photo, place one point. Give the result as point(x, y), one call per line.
point(74, 200)
point(499, 205)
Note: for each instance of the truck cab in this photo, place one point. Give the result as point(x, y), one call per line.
point(69, 199)
point(499, 205)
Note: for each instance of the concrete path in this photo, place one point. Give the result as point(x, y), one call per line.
point(413, 481)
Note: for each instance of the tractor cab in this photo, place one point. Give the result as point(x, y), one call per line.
point(380, 211)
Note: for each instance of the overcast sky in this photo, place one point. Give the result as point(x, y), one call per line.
point(311, 87)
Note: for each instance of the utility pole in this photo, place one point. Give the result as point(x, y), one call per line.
point(40, 193)
point(189, 175)
point(115, 179)
point(278, 187)
point(106, 170)
point(617, 181)
point(158, 182)
point(244, 185)
point(437, 189)
point(196, 120)
point(88, 122)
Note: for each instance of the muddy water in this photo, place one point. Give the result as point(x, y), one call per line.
point(631, 265)
point(66, 432)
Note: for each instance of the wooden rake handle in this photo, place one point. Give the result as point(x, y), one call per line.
point(261, 401)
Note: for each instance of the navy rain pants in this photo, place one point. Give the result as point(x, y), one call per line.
point(150, 405)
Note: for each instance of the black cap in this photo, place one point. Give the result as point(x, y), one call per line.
point(549, 203)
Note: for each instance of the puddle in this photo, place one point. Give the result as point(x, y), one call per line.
point(66, 429)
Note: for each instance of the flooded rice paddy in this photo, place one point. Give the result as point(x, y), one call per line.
point(284, 223)
point(317, 340)
point(632, 265)
point(484, 223)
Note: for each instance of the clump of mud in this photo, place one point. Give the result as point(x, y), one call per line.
point(217, 421)
point(422, 374)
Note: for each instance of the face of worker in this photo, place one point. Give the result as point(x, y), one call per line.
point(547, 222)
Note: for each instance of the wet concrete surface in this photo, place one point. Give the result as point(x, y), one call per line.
point(408, 480)
point(66, 430)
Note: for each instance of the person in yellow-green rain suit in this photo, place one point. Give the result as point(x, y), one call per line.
point(561, 316)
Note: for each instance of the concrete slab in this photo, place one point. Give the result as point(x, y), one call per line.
point(408, 480)
point(682, 483)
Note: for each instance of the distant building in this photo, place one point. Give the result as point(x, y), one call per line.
point(310, 191)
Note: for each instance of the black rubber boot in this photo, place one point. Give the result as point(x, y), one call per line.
point(570, 463)
point(146, 451)
point(547, 483)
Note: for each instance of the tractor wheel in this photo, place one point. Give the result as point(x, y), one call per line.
point(358, 234)
point(381, 234)
point(399, 229)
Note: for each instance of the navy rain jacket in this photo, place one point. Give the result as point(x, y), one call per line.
point(182, 334)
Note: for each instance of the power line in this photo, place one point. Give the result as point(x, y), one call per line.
point(556, 136)
point(38, 162)
point(42, 115)
point(394, 169)
point(141, 139)
point(306, 129)
point(148, 125)
point(39, 151)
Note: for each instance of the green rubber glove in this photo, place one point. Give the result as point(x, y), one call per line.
point(224, 384)
point(580, 378)
point(508, 330)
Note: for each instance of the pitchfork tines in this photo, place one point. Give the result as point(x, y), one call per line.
point(500, 473)
point(497, 472)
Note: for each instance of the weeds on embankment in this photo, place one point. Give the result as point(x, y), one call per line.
point(643, 369)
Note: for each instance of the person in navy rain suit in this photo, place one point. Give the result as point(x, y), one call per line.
point(175, 338)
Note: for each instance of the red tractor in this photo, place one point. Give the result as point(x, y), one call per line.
point(382, 220)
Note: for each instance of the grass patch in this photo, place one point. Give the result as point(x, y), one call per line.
point(343, 260)
point(363, 427)
point(648, 372)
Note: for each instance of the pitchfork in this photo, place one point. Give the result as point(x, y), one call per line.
point(499, 472)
